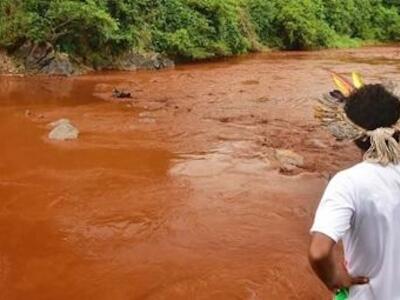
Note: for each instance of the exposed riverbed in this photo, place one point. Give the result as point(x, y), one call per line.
point(178, 193)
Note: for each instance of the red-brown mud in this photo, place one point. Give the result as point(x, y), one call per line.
point(176, 193)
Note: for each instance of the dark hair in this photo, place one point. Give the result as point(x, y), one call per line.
point(371, 107)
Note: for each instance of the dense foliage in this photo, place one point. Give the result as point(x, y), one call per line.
point(195, 29)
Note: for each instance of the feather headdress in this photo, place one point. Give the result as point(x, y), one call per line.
point(331, 113)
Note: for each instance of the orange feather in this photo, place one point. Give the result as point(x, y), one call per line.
point(345, 86)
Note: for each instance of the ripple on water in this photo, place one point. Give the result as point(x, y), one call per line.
point(229, 157)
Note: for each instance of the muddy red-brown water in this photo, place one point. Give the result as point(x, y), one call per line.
point(176, 193)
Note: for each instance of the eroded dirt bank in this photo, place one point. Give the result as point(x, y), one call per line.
point(178, 193)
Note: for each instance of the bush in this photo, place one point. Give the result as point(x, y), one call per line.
point(68, 24)
point(263, 15)
point(195, 29)
point(199, 29)
point(300, 25)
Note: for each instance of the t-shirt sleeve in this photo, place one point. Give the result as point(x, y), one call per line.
point(336, 209)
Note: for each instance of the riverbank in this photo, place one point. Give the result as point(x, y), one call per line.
point(7, 64)
point(43, 59)
point(69, 36)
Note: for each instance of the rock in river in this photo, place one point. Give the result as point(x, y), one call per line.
point(63, 130)
point(288, 159)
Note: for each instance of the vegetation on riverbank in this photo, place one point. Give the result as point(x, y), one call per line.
point(97, 30)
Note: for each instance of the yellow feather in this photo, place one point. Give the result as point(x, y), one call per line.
point(357, 80)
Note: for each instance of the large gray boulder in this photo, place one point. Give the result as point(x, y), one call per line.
point(63, 130)
point(42, 58)
point(132, 61)
point(60, 65)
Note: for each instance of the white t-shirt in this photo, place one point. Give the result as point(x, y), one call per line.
point(361, 206)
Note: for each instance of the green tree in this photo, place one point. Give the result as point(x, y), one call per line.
point(99, 30)
point(300, 25)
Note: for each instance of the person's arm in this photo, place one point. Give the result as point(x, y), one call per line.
point(332, 273)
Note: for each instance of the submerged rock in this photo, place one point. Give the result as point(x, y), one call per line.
point(288, 159)
point(318, 143)
point(121, 94)
point(63, 130)
point(147, 120)
point(59, 122)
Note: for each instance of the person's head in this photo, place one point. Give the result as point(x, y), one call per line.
point(371, 107)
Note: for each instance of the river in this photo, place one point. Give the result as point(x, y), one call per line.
point(176, 193)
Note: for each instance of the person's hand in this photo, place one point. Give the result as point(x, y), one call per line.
point(323, 261)
point(344, 280)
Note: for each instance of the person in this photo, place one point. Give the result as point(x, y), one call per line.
point(361, 205)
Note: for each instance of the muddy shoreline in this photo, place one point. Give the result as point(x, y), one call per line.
point(178, 193)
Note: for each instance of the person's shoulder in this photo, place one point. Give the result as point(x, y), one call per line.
point(355, 174)
point(360, 169)
point(346, 184)
point(363, 173)
point(351, 171)
point(368, 168)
